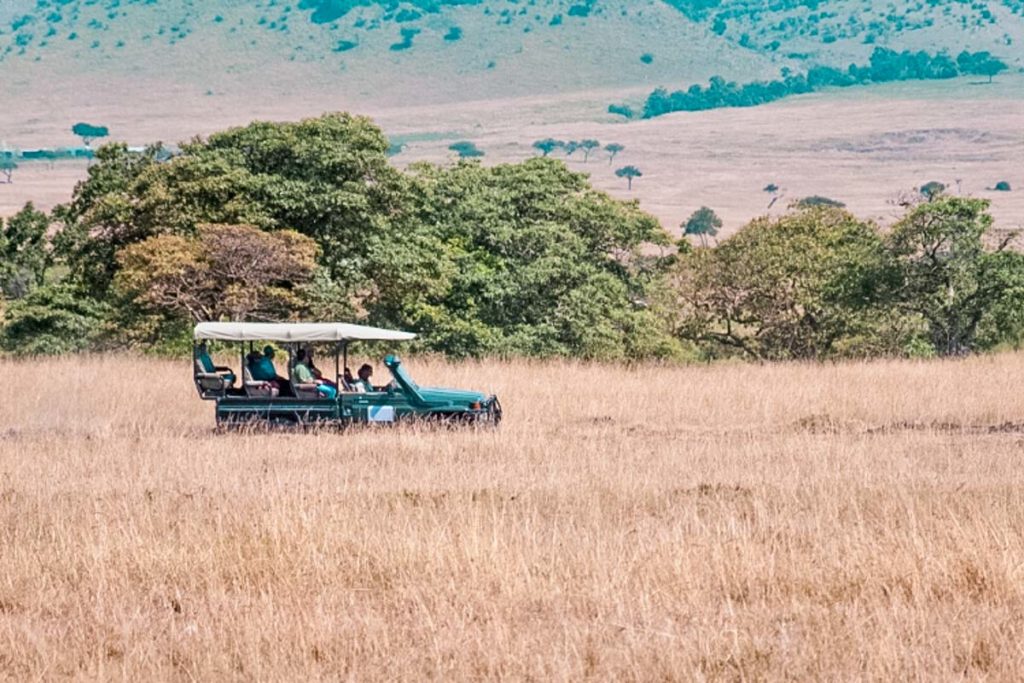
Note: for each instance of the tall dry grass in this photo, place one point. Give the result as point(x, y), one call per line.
point(734, 522)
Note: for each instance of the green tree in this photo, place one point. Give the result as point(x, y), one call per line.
point(932, 190)
point(816, 201)
point(547, 145)
point(107, 213)
point(327, 177)
point(24, 252)
point(570, 147)
point(89, 133)
point(613, 150)
point(534, 262)
point(8, 164)
point(54, 319)
point(466, 149)
point(703, 223)
point(629, 172)
point(949, 277)
point(588, 146)
point(810, 284)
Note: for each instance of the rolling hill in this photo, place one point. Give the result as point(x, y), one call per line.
point(429, 51)
point(503, 73)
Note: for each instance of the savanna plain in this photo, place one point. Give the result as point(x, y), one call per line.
point(729, 522)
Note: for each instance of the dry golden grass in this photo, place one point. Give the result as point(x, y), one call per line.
point(852, 522)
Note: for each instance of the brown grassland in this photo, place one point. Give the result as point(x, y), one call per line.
point(838, 522)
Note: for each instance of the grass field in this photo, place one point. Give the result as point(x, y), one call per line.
point(837, 522)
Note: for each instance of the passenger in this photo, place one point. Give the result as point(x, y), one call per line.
point(363, 384)
point(261, 367)
point(304, 375)
point(316, 371)
point(348, 380)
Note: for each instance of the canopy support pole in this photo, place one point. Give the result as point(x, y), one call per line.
point(344, 350)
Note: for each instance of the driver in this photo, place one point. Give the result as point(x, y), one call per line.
point(363, 383)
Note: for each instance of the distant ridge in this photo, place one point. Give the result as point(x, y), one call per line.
point(451, 50)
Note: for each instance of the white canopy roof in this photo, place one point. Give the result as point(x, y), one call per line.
point(297, 332)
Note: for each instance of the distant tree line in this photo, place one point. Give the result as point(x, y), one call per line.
point(885, 66)
point(308, 220)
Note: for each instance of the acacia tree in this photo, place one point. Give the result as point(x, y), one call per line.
point(547, 146)
point(233, 272)
point(932, 190)
point(629, 172)
point(703, 223)
point(588, 146)
point(8, 164)
point(613, 150)
point(89, 133)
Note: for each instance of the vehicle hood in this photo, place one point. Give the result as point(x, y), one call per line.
point(454, 397)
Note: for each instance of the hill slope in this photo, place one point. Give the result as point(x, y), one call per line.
point(424, 51)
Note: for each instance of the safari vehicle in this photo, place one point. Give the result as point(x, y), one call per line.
point(242, 400)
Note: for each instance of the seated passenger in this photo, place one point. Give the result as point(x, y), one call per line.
point(363, 383)
point(316, 371)
point(261, 367)
point(304, 375)
point(206, 363)
point(348, 380)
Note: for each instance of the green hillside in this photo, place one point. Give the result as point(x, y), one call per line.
point(448, 50)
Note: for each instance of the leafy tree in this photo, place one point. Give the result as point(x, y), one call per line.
point(703, 223)
point(589, 146)
point(547, 146)
point(818, 200)
point(1002, 186)
point(54, 319)
point(8, 164)
point(233, 272)
point(771, 188)
point(570, 147)
point(623, 110)
point(89, 133)
point(106, 214)
point(327, 177)
point(806, 285)
point(466, 149)
point(981, 64)
point(932, 190)
point(629, 172)
point(613, 150)
point(949, 277)
point(24, 252)
point(533, 261)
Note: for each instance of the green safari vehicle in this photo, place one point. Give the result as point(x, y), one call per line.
point(241, 399)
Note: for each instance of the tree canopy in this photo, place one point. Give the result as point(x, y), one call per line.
point(522, 259)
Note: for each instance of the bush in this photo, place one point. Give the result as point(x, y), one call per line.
point(466, 149)
point(52, 320)
point(818, 200)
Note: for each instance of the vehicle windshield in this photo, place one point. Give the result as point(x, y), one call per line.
point(401, 376)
